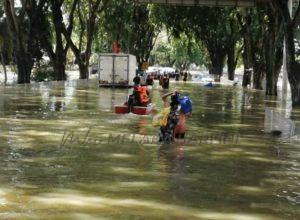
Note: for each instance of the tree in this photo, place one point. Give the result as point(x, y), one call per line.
point(263, 37)
point(133, 26)
point(187, 51)
point(232, 32)
point(53, 22)
point(273, 48)
point(293, 67)
point(87, 13)
point(162, 54)
point(245, 20)
point(207, 25)
point(24, 32)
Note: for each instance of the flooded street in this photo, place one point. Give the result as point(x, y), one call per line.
point(64, 154)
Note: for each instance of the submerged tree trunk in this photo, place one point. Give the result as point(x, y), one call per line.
point(247, 65)
point(217, 57)
point(59, 68)
point(24, 60)
point(60, 54)
point(84, 70)
point(25, 27)
point(4, 68)
point(293, 67)
point(247, 58)
point(271, 86)
point(271, 79)
point(231, 64)
point(94, 9)
point(273, 49)
point(258, 75)
point(24, 66)
point(247, 42)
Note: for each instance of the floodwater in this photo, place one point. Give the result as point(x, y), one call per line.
point(64, 154)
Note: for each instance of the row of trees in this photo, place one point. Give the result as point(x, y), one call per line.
point(52, 28)
point(257, 34)
point(199, 35)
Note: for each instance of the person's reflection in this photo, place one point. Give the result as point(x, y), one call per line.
point(57, 101)
point(141, 126)
point(113, 99)
point(82, 97)
point(173, 157)
point(246, 100)
point(228, 100)
point(59, 104)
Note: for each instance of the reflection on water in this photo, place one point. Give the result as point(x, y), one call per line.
point(256, 178)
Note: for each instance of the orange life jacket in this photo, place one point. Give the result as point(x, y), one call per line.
point(144, 99)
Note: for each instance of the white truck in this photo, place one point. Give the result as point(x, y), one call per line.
point(116, 70)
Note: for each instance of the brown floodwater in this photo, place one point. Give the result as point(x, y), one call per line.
point(64, 154)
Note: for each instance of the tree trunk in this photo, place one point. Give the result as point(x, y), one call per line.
point(231, 61)
point(24, 60)
point(247, 62)
point(247, 52)
point(273, 67)
point(84, 70)
point(273, 50)
point(258, 75)
point(247, 77)
point(24, 67)
point(60, 70)
point(295, 87)
point(271, 86)
point(293, 67)
point(4, 68)
point(59, 57)
point(217, 62)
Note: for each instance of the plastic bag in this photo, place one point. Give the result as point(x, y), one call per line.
point(186, 105)
point(161, 119)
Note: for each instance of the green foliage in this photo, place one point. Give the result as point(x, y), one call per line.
point(214, 28)
point(179, 52)
point(133, 26)
point(43, 73)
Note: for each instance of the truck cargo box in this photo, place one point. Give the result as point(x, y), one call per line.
point(116, 70)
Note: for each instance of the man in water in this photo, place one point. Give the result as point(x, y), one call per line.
point(185, 75)
point(139, 97)
point(165, 81)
